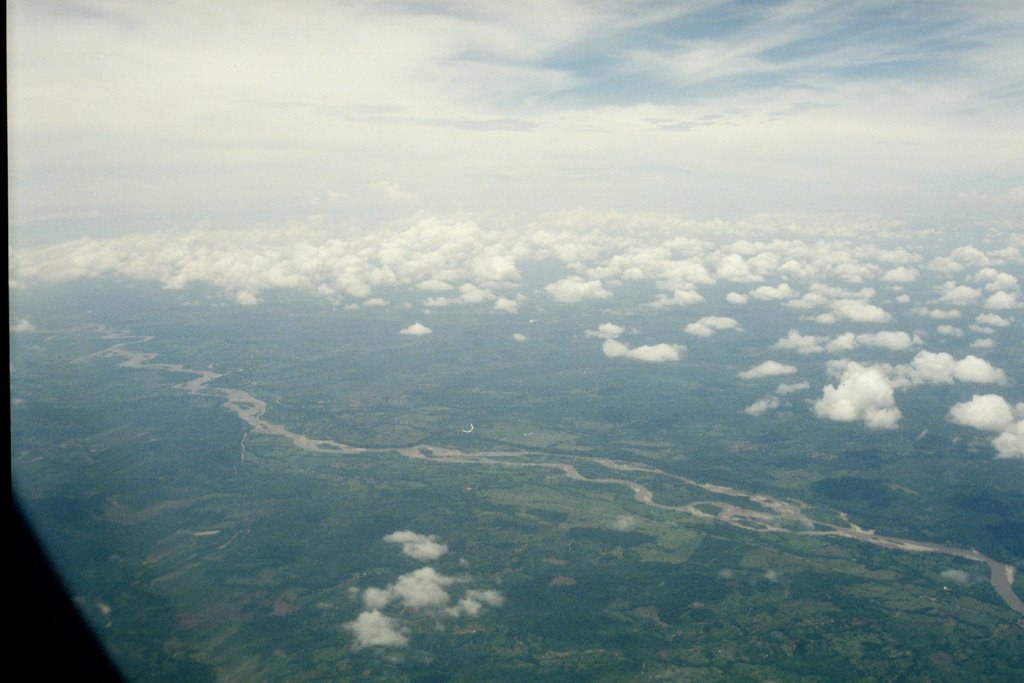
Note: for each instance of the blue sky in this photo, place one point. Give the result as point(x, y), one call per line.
point(130, 117)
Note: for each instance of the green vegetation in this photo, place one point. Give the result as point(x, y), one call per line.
point(194, 565)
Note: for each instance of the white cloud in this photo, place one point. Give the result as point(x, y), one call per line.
point(606, 331)
point(680, 297)
point(993, 319)
point(769, 368)
point(992, 413)
point(1001, 301)
point(473, 602)
point(801, 343)
point(859, 311)
point(996, 281)
point(938, 313)
point(418, 546)
point(949, 331)
point(944, 264)
point(519, 337)
point(506, 305)
point(708, 325)
point(886, 339)
point(246, 298)
point(434, 286)
point(471, 294)
point(1010, 444)
point(766, 293)
point(783, 389)
point(22, 325)
point(983, 344)
point(422, 588)
point(762, 405)
point(494, 266)
point(844, 342)
point(958, 295)
point(736, 298)
point(889, 339)
point(657, 353)
point(734, 268)
point(574, 289)
point(864, 393)
point(901, 274)
point(969, 256)
point(376, 629)
point(416, 330)
point(988, 412)
point(942, 368)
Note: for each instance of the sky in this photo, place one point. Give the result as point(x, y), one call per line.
point(135, 117)
point(856, 168)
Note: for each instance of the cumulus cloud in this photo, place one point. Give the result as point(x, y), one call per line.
point(1010, 444)
point(246, 298)
point(766, 293)
point(680, 297)
point(506, 305)
point(420, 589)
point(996, 281)
point(891, 340)
point(801, 343)
point(708, 325)
point(473, 602)
point(656, 353)
point(958, 295)
point(993, 319)
point(944, 264)
point(417, 546)
point(762, 405)
point(22, 325)
point(864, 393)
point(736, 298)
point(938, 313)
point(983, 344)
point(574, 289)
point(376, 629)
point(424, 590)
point(988, 412)
point(942, 368)
point(471, 294)
point(519, 337)
point(769, 368)
point(993, 413)
point(859, 311)
point(949, 331)
point(416, 330)
point(734, 268)
point(1001, 301)
point(791, 388)
point(606, 331)
point(434, 286)
point(901, 274)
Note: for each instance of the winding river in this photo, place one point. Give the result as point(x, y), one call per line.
point(773, 515)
